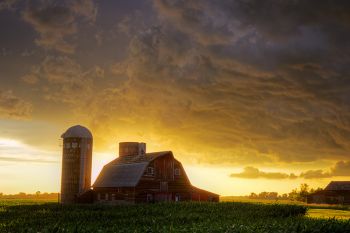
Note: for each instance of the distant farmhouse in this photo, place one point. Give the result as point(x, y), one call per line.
point(133, 177)
point(336, 192)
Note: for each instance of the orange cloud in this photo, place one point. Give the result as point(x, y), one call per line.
point(12, 106)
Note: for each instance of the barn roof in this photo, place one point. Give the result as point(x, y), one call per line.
point(338, 185)
point(126, 171)
point(194, 188)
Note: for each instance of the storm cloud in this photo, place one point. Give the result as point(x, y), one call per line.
point(227, 82)
point(56, 24)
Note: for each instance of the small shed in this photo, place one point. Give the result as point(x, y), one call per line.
point(336, 192)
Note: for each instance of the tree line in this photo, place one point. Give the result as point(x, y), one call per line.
point(37, 195)
point(295, 195)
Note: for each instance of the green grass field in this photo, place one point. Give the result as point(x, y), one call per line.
point(26, 216)
point(328, 213)
point(314, 210)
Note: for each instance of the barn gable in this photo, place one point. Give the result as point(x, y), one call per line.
point(126, 171)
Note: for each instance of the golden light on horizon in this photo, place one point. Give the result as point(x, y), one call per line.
point(244, 108)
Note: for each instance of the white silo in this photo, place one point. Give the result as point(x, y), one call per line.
point(76, 163)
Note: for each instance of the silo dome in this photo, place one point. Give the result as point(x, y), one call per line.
point(77, 131)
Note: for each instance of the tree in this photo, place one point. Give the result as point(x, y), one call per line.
point(263, 195)
point(304, 192)
point(293, 195)
point(253, 196)
point(272, 195)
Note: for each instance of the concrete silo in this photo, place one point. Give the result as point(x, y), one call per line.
point(76, 163)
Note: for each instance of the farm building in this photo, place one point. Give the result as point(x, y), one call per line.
point(133, 177)
point(336, 192)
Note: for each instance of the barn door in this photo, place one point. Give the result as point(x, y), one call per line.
point(164, 186)
point(149, 197)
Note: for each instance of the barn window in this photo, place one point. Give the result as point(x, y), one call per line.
point(74, 144)
point(177, 171)
point(150, 170)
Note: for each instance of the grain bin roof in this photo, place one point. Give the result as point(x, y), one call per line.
point(126, 171)
point(77, 131)
point(338, 185)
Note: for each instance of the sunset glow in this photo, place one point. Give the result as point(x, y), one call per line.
point(245, 104)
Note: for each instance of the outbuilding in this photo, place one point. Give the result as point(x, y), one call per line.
point(336, 192)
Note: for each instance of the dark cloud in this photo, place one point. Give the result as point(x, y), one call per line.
point(286, 115)
point(30, 79)
point(341, 168)
point(228, 21)
point(57, 23)
point(7, 4)
point(62, 79)
point(315, 174)
point(276, 71)
point(254, 173)
point(85, 8)
point(12, 106)
point(54, 24)
point(243, 81)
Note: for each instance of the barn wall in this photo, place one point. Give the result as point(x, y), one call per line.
point(329, 199)
point(114, 195)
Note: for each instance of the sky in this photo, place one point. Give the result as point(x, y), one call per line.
point(249, 95)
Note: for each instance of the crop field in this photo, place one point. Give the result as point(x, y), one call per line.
point(167, 217)
point(325, 211)
point(328, 213)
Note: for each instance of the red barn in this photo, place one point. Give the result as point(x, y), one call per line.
point(136, 177)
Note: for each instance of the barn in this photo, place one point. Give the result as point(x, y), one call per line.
point(336, 192)
point(136, 176)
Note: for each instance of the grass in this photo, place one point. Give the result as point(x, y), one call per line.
point(329, 213)
point(12, 201)
point(265, 201)
point(166, 217)
point(289, 202)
